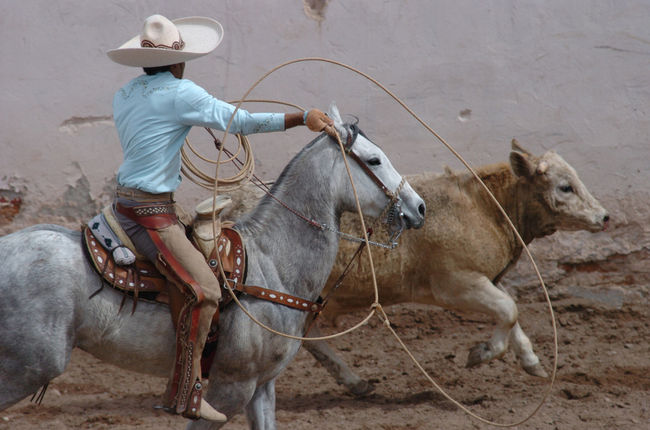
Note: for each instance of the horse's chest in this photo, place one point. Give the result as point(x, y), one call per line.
point(247, 350)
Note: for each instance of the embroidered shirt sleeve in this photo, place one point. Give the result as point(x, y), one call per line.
point(194, 106)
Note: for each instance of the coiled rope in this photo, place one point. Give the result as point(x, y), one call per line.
point(245, 171)
point(376, 306)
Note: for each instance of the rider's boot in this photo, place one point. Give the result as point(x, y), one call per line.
point(184, 391)
point(211, 414)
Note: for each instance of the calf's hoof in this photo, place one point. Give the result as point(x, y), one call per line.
point(536, 370)
point(478, 354)
point(361, 388)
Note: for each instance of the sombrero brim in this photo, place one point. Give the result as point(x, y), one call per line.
point(201, 36)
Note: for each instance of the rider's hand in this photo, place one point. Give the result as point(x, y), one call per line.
point(317, 121)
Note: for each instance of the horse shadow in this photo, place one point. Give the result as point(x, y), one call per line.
point(335, 399)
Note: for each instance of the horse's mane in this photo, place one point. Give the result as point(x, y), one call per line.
point(254, 219)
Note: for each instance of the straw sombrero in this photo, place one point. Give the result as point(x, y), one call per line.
point(164, 42)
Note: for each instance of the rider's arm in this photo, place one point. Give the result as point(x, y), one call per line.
point(194, 106)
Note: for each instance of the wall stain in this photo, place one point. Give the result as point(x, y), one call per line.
point(76, 203)
point(315, 9)
point(9, 208)
point(73, 124)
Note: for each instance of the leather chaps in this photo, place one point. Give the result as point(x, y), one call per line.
point(193, 299)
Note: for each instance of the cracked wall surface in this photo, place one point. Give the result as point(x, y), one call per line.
point(479, 73)
point(315, 9)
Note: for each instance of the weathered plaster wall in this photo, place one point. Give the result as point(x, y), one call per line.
point(572, 76)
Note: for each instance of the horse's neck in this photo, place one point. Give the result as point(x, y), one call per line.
point(286, 239)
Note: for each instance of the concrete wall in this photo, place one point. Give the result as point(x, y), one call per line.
point(571, 76)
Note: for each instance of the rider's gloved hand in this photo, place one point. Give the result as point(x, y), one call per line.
point(318, 121)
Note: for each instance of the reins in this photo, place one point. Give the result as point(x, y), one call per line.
point(376, 306)
point(388, 209)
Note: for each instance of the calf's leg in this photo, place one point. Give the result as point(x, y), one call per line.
point(475, 293)
point(523, 349)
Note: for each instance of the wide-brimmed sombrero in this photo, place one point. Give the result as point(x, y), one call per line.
point(163, 42)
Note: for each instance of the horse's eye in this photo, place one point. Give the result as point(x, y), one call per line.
point(566, 188)
point(374, 161)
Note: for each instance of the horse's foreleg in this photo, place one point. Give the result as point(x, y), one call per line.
point(335, 366)
point(260, 411)
point(228, 398)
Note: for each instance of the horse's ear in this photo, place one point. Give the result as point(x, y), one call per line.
point(338, 122)
point(334, 114)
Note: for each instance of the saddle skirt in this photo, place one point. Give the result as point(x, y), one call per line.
point(142, 280)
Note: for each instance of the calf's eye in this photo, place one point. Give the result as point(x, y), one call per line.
point(566, 188)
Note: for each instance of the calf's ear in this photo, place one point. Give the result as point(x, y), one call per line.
point(517, 147)
point(521, 165)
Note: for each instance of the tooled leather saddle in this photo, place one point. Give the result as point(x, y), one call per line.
point(141, 280)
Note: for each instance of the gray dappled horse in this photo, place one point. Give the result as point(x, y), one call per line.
point(46, 283)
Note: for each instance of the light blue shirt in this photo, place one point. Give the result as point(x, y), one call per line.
point(154, 114)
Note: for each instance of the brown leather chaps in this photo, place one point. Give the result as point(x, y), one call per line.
point(194, 294)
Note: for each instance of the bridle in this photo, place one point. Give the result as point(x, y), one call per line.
point(353, 132)
point(393, 210)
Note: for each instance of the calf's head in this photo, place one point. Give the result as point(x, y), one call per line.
point(567, 203)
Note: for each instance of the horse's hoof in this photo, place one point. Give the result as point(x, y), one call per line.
point(536, 370)
point(478, 354)
point(361, 388)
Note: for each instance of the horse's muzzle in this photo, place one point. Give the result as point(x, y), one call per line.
point(416, 220)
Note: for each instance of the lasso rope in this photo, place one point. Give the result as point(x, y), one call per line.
point(376, 305)
point(245, 171)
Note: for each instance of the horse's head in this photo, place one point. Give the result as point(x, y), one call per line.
point(381, 190)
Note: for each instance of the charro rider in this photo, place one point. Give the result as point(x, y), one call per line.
point(153, 114)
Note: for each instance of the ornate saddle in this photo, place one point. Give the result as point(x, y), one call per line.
point(142, 281)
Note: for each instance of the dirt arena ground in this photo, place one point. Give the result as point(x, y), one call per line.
point(603, 379)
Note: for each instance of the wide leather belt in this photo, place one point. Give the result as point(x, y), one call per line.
point(142, 196)
point(153, 217)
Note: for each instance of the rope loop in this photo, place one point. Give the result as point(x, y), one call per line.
point(246, 172)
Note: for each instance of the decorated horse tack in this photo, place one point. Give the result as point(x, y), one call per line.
point(142, 280)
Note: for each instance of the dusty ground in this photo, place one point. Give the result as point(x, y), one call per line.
point(603, 379)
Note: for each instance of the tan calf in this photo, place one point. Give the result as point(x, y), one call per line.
point(465, 248)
